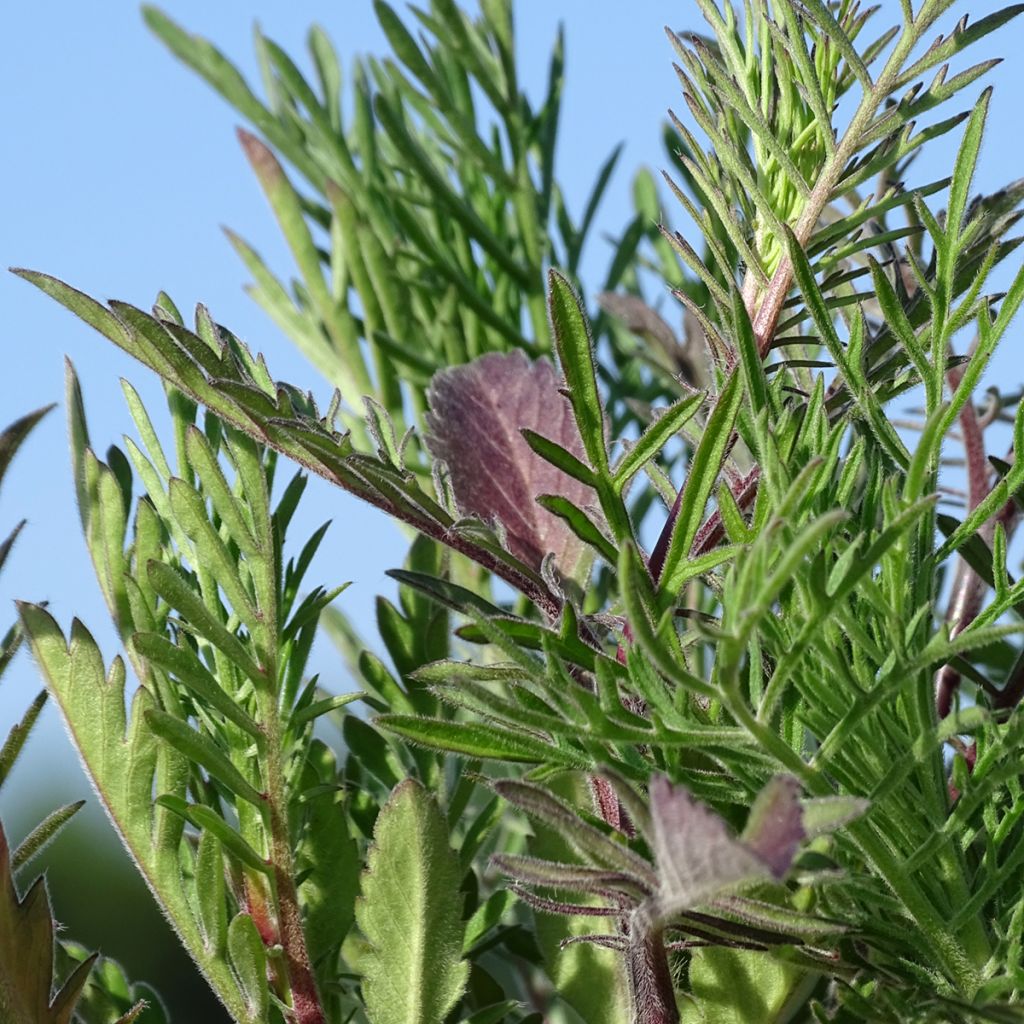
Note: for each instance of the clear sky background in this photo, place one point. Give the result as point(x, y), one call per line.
point(121, 165)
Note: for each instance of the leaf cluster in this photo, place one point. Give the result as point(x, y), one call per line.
point(779, 745)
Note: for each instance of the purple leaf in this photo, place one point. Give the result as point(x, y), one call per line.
point(698, 856)
point(775, 827)
point(695, 852)
point(476, 414)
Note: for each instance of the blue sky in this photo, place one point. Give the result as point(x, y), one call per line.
point(121, 166)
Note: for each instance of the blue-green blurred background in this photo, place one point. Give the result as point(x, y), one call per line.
point(119, 168)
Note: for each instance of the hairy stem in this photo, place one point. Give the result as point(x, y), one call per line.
point(767, 316)
point(305, 999)
point(765, 319)
point(650, 980)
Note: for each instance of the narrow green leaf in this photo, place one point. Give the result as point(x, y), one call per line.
point(963, 170)
point(487, 916)
point(497, 1012)
point(475, 740)
point(8, 544)
point(736, 528)
point(700, 481)
point(12, 437)
point(331, 859)
point(18, 735)
point(34, 842)
point(215, 486)
point(212, 823)
point(559, 457)
point(446, 593)
point(323, 707)
point(189, 511)
point(288, 209)
point(84, 307)
point(750, 355)
point(204, 752)
point(896, 319)
point(495, 247)
point(373, 753)
point(604, 175)
point(175, 590)
point(667, 424)
point(575, 346)
point(848, 365)
point(404, 45)
point(1008, 486)
point(211, 894)
point(190, 671)
point(965, 34)
point(478, 831)
point(134, 1013)
point(580, 523)
point(248, 959)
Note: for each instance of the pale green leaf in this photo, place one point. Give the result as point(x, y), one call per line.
point(249, 966)
point(409, 910)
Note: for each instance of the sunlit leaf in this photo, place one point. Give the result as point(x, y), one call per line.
point(476, 415)
point(409, 909)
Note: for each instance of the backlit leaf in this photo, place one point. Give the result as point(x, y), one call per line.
point(477, 413)
point(409, 910)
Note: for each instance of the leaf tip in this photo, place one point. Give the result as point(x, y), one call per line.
point(259, 155)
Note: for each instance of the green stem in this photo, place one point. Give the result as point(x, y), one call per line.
point(301, 983)
point(305, 999)
point(771, 305)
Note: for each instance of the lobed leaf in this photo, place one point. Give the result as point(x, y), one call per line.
point(409, 910)
point(26, 955)
point(477, 413)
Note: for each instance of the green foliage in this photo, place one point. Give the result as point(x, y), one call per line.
point(409, 912)
point(219, 639)
point(718, 774)
point(108, 995)
point(29, 955)
point(441, 197)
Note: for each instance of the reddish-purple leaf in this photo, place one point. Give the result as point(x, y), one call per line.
point(476, 414)
point(775, 827)
point(697, 855)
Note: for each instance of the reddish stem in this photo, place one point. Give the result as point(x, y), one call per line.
point(305, 999)
point(650, 980)
point(711, 534)
point(609, 807)
point(969, 588)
